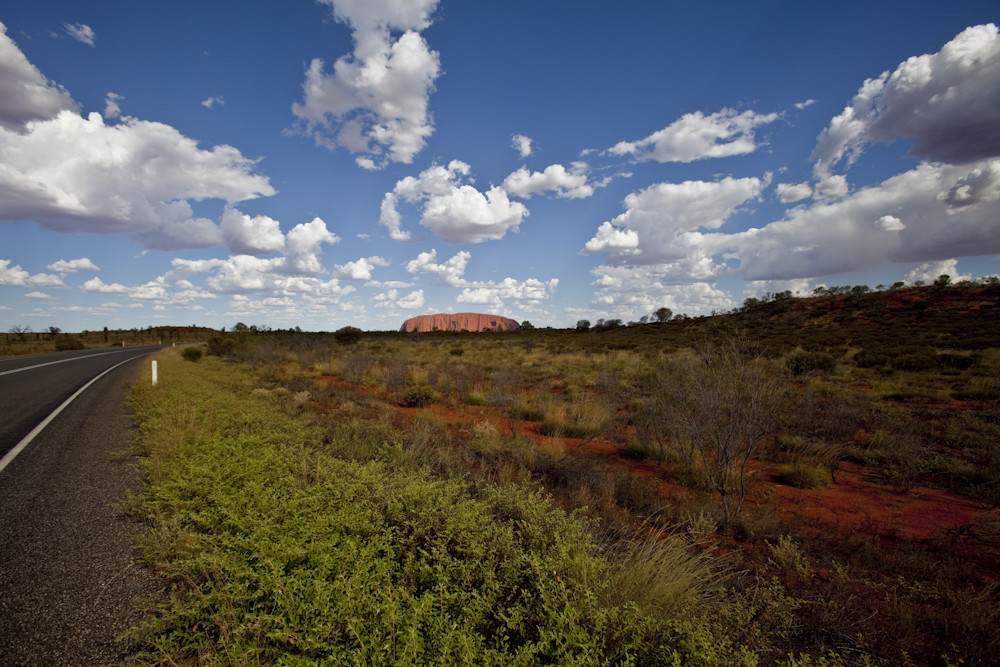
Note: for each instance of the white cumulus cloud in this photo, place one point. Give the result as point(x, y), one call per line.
point(360, 269)
point(451, 207)
point(25, 93)
point(449, 273)
point(792, 192)
point(77, 174)
point(95, 284)
point(72, 266)
point(945, 102)
point(15, 275)
point(521, 144)
point(74, 174)
point(661, 223)
point(111, 107)
point(375, 101)
point(259, 235)
point(696, 136)
point(907, 218)
point(525, 293)
point(567, 184)
point(304, 245)
point(928, 272)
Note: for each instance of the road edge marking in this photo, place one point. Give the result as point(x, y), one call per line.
point(61, 361)
point(26, 440)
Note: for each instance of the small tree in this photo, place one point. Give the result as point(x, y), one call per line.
point(21, 331)
point(722, 399)
point(662, 314)
point(582, 325)
point(347, 335)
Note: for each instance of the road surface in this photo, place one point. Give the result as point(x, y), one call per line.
point(69, 583)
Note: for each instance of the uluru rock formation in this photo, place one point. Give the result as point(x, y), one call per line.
point(459, 322)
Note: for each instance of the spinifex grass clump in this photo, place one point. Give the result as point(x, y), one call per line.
point(283, 553)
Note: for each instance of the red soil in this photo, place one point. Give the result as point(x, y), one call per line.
point(856, 503)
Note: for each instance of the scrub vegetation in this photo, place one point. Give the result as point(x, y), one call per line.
point(800, 481)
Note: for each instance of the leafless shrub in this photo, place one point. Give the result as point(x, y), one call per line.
point(353, 366)
point(723, 399)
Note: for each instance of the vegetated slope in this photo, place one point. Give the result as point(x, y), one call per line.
point(459, 322)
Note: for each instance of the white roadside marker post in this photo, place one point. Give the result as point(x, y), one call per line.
point(154, 372)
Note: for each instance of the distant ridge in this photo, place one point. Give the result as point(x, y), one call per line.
point(459, 322)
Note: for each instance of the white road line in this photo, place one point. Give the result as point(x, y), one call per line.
point(26, 440)
point(63, 361)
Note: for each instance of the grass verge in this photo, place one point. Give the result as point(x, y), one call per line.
point(282, 553)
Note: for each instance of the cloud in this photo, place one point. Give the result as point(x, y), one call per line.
point(521, 144)
point(565, 184)
point(246, 274)
point(831, 187)
point(633, 291)
point(931, 271)
point(111, 107)
point(611, 239)
point(945, 102)
point(38, 295)
point(95, 284)
point(80, 32)
point(412, 300)
point(211, 101)
point(695, 136)
point(375, 101)
point(530, 292)
point(793, 192)
point(661, 222)
point(451, 207)
point(759, 288)
point(391, 300)
point(15, 275)
point(72, 266)
point(448, 273)
point(73, 174)
point(361, 269)
point(910, 217)
point(981, 185)
point(259, 235)
point(889, 223)
point(25, 94)
point(303, 247)
point(802, 105)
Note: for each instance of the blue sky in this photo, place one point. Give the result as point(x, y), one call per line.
point(359, 162)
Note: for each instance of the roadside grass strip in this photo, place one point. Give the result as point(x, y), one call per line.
point(279, 553)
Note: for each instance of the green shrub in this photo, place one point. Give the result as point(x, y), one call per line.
point(221, 347)
point(919, 361)
point(955, 361)
point(347, 335)
point(64, 343)
point(804, 475)
point(419, 396)
point(803, 361)
point(871, 358)
point(191, 353)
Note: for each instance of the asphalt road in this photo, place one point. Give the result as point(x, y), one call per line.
point(69, 582)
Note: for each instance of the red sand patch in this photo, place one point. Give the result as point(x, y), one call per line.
point(855, 503)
